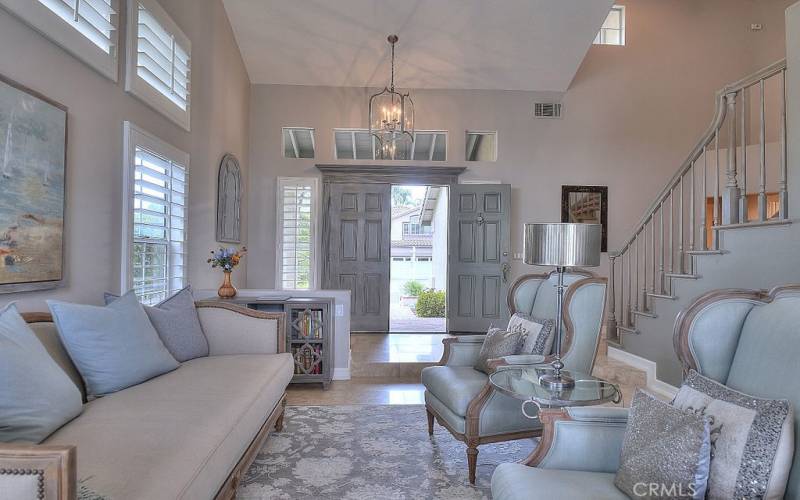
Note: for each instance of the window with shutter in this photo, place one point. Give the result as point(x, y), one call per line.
point(88, 29)
point(159, 61)
point(613, 30)
point(358, 144)
point(296, 233)
point(155, 239)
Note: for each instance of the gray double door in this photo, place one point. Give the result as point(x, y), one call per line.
point(357, 245)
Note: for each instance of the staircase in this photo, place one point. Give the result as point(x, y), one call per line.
point(735, 178)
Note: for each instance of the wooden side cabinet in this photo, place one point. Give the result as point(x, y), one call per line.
point(309, 334)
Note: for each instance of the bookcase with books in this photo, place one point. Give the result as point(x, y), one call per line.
point(309, 334)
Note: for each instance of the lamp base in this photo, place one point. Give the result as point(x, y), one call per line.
point(556, 382)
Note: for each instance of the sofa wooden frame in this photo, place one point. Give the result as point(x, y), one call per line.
point(56, 466)
point(471, 437)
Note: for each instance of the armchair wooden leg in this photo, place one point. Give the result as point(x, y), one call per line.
point(430, 422)
point(472, 462)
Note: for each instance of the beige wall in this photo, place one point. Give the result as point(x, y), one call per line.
point(97, 108)
point(630, 116)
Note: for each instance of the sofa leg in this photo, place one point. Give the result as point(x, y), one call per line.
point(279, 420)
point(472, 462)
point(430, 422)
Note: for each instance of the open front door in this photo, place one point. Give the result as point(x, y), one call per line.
point(478, 262)
point(358, 251)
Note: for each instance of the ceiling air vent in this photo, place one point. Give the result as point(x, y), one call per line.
point(547, 110)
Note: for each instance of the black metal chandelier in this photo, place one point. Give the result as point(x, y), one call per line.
point(391, 118)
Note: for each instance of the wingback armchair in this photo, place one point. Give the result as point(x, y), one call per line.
point(746, 339)
point(463, 400)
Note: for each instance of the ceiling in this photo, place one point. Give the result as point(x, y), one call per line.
point(444, 44)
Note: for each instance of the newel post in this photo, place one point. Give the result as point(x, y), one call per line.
point(731, 194)
point(611, 317)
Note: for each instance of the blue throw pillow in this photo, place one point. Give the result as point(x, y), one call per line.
point(36, 396)
point(113, 347)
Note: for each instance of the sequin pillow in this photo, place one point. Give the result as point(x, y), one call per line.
point(498, 343)
point(538, 333)
point(752, 439)
point(665, 453)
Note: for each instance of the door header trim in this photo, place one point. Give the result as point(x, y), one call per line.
point(391, 174)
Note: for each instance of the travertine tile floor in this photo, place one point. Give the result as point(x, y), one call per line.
point(386, 371)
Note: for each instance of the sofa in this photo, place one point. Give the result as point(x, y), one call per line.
point(191, 433)
point(745, 339)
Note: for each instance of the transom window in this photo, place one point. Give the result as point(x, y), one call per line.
point(159, 61)
point(481, 146)
point(613, 30)
point(358, 144)
point(298, 142)
point(88, 29)
point(156, 193)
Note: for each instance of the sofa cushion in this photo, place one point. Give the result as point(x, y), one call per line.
point(178, 435)
point(454, 386)
point(113, 347)
point(176, 322)
point(36, 396)
point(512, 481)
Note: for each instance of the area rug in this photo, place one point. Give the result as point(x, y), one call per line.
point(369, 452)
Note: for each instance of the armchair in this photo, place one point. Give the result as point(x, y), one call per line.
point(463, 400)
point(727, 335)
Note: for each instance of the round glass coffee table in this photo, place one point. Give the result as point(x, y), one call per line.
point(522, 382)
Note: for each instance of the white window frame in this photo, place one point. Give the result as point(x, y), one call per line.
point(413, 145)
point(484, 132)
point(135, 136)
point(313, 279)
point(139, 87)
point(68, 37)
point(294, 144)
point(598, 39)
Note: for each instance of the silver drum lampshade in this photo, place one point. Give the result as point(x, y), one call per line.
point(563, 244)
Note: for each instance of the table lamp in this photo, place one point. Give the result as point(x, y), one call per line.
point(561, 245)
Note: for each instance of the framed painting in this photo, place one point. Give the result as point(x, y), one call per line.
point(587, 205)
point(33, 160)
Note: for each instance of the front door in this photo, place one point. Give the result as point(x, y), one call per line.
point(479, 257)
point(358, 251)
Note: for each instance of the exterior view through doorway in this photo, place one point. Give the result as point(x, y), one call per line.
point(418, 268)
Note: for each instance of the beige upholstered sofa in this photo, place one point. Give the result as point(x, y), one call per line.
point(189, 434)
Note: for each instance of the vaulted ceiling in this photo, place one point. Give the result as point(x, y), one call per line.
point(444, 44)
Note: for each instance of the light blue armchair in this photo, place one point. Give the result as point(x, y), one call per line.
point(463, 400)
point(748, 340)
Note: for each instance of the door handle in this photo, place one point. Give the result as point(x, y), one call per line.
point(481, 220)
point(506, 269)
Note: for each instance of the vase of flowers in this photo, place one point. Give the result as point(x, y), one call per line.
point(227, 259)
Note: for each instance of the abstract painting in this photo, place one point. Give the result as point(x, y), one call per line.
point(33, 143)
point(586, 205)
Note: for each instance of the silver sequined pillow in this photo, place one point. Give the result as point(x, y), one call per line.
point(665, 453)
point(752, 439)
point(538, 333)
point(498, 343)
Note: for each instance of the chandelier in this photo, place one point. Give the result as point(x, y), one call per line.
point(391, 119)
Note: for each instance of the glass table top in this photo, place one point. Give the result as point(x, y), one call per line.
point(522, 382)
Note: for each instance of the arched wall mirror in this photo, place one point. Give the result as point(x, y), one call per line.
point(229, 199)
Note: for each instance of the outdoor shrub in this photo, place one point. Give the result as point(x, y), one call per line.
point(413, 288)
point(430, 304)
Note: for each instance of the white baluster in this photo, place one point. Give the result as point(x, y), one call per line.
point(783, 194)
point(730, 196)
point(762, 144)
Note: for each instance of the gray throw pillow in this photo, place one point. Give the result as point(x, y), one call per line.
point(752, 439)
point(498, 343)
point(176, 321)
point(538, 333)
point(113, 347)
point(36, 396)
point(666, 452)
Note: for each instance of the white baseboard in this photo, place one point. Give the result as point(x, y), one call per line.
point(648, 367)
point(341, 374)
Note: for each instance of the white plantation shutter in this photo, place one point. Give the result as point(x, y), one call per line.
point(95, 19)
point(159, 61)
point(296, 232)
point(88, 29)
point(157, 190)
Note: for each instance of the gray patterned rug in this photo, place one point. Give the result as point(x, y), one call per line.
point(369, 452)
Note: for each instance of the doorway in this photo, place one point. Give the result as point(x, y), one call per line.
point(418, 259)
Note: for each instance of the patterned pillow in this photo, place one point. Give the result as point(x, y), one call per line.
point(498, 343)
point(752, 439)
point(538, 333)
point(665, 453)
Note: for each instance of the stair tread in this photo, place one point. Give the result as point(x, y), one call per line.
point(683, 276)
point(646, 314)
point(662, 296)
point(706, 252)
point(628, 330)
